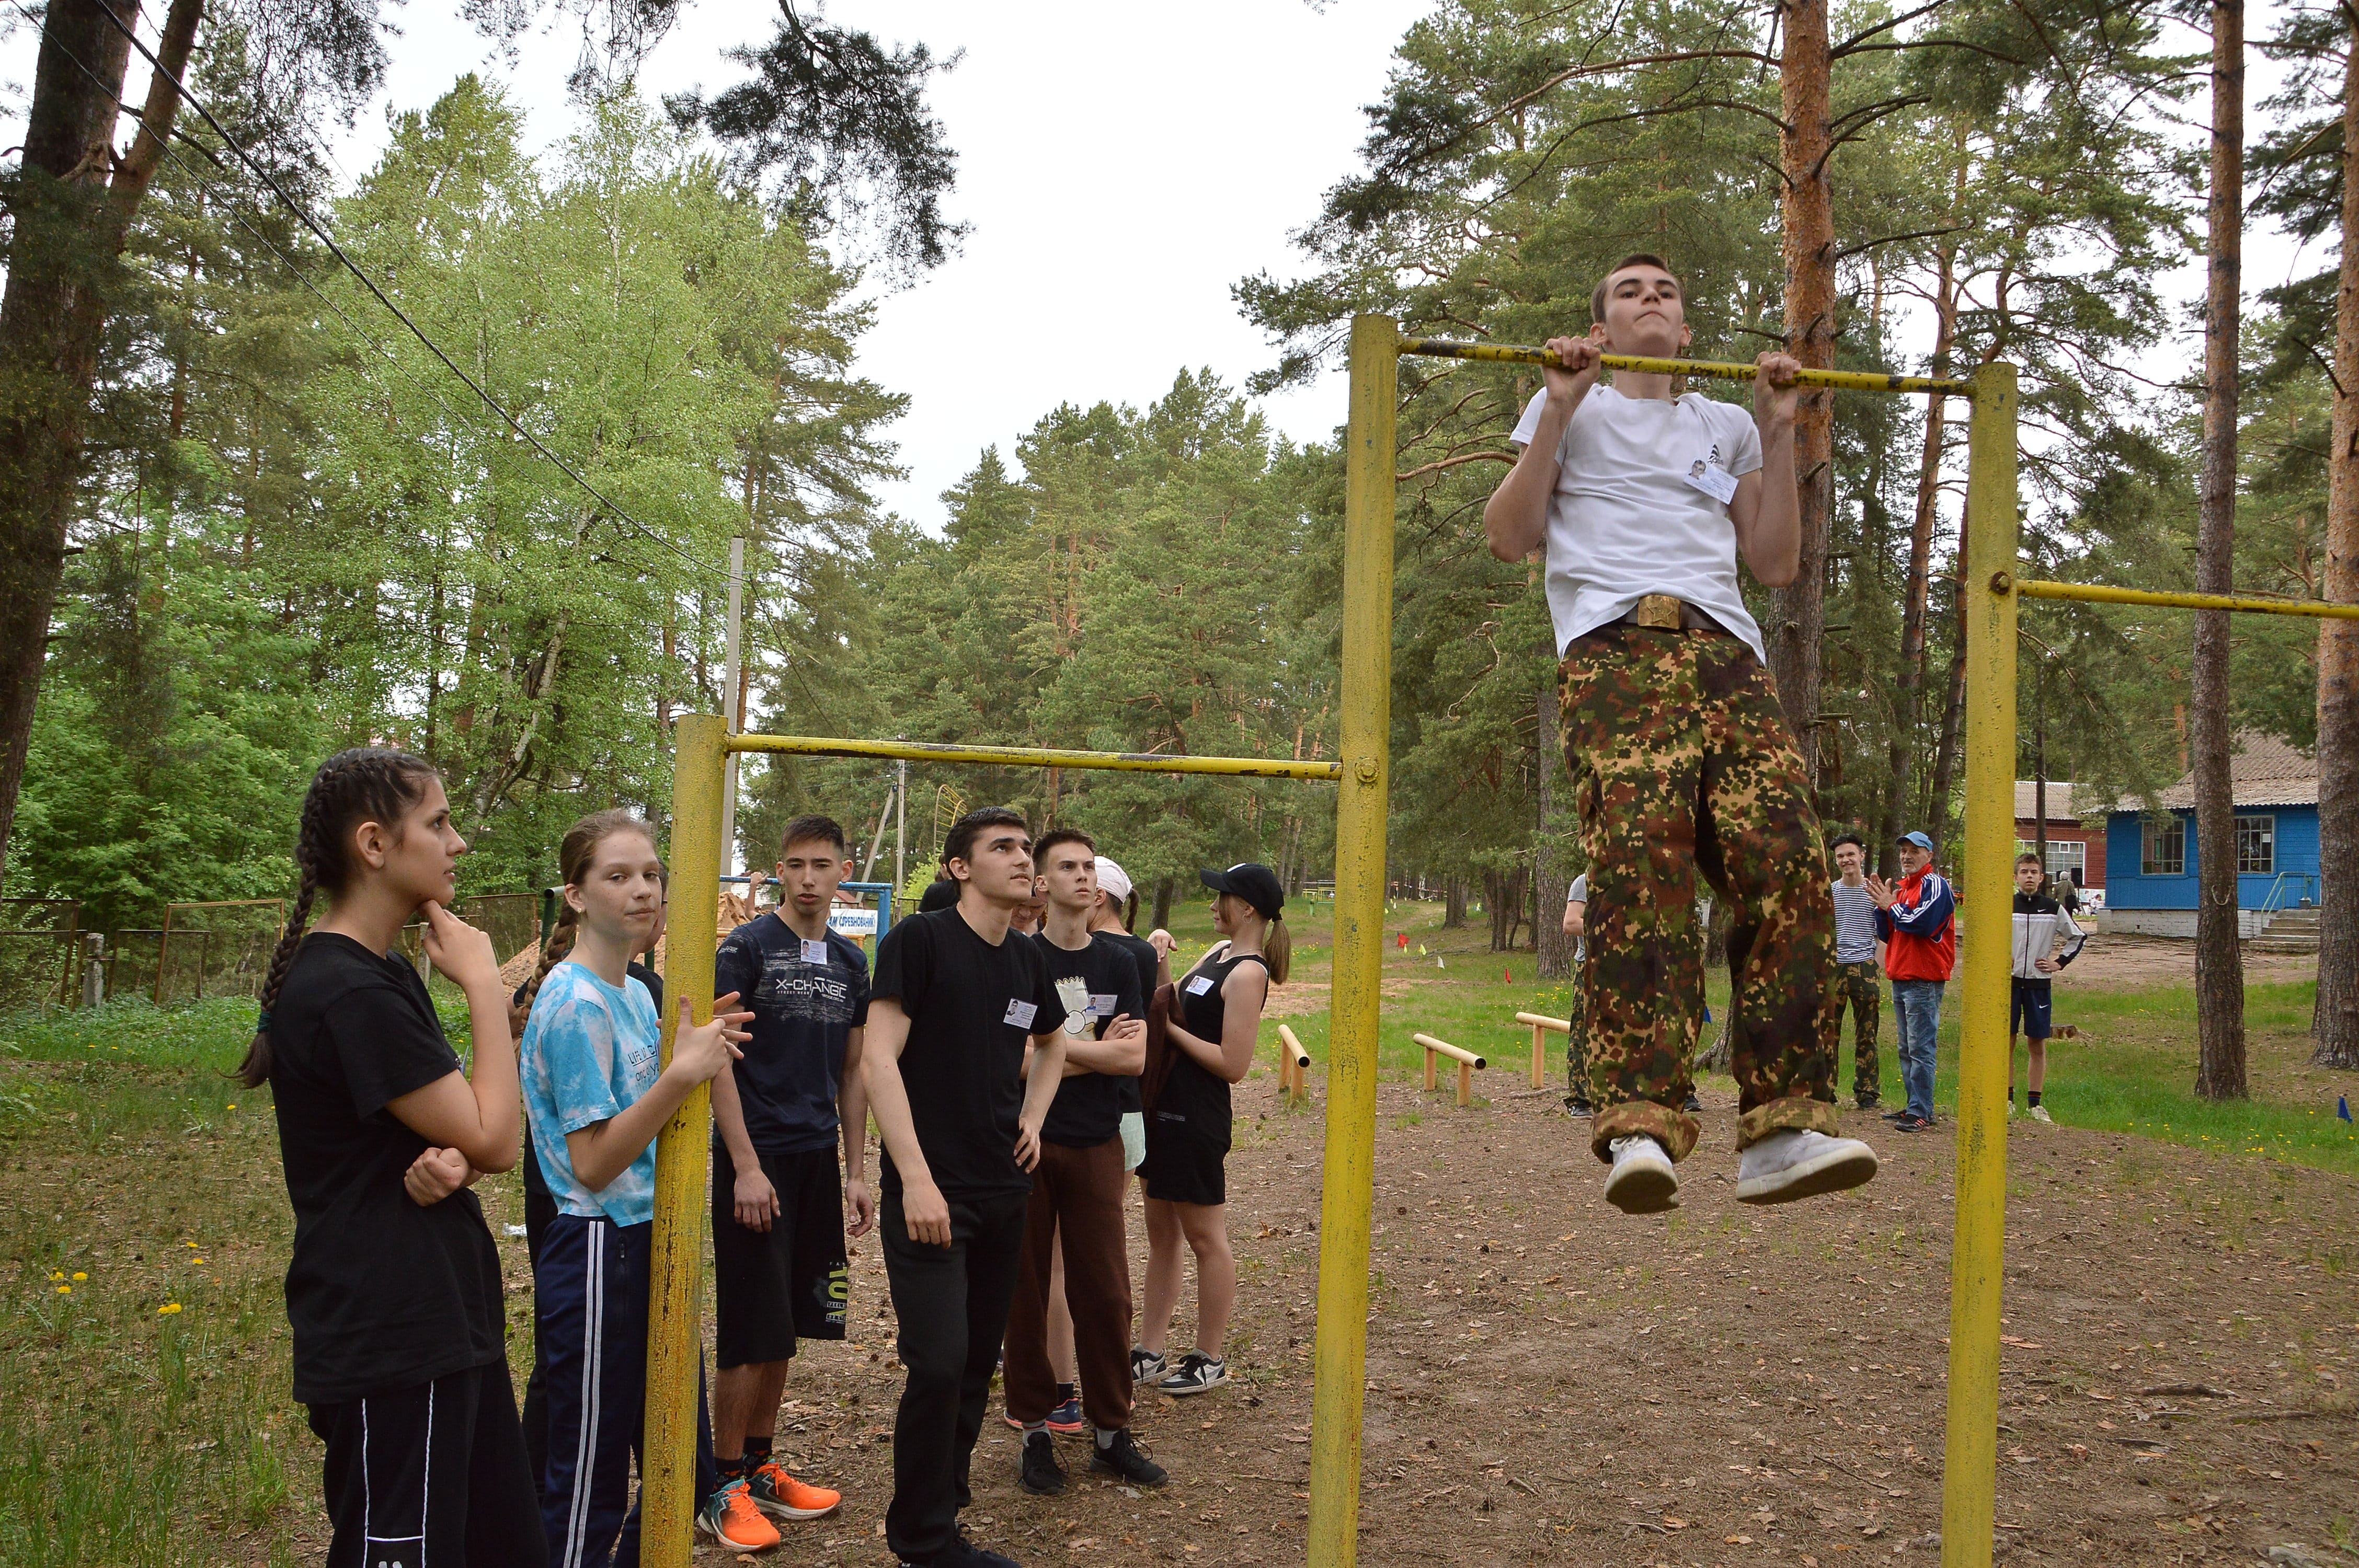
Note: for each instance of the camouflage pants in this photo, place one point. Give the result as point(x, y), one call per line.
point(1681, 766)
point(1576, 1044)
point(1859, 987)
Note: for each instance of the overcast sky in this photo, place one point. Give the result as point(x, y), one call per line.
point(1121, 166)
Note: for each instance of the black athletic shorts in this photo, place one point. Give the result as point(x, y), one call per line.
point(1185, 1163)
point(789, 1282)
point(2030, 1009)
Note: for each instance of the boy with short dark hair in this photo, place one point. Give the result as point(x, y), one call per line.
point(957, 998)
point(1642, 500)
point(1077, 1190)
point(1859, 961)
point(780, 1274)
point(2040, 923)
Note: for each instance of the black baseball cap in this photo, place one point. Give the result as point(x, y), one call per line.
point(1252, 882)
point(940, 894)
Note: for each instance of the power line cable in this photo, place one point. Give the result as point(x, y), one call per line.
point(295, 271)
point(321, 233)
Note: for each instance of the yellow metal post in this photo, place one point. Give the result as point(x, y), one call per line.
point(676, 1259)
point(1984, 873)
point(1345, 1193)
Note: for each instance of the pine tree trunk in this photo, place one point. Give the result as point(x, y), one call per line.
point(2334, 1027)
point(1806, 149)
point(1953, 718)
point(2219, 964)
point(1454, 902)
point(1162, 918)
point(1908, 700)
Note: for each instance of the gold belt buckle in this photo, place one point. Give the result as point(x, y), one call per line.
point(1660, 610)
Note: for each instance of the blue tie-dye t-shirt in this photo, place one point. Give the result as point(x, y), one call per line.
point(591, 1050)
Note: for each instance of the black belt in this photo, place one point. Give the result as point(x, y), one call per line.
point(1662, 612)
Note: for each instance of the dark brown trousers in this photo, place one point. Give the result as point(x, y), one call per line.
point(1076, 1192)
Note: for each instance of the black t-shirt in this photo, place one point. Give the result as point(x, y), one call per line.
point(382, 1293)
point(1097, 984)
point(1192, 1092)
point(534, 1181)
point(804, 1013)
point(1142, 953)
point(971, 1007)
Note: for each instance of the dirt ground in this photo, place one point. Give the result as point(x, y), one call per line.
point(2120, 962)
point(1551, 1381)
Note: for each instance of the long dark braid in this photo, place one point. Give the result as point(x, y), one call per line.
point(364, 785)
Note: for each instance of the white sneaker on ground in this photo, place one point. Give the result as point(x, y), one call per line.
point(1789, 1163)
point(2039, 1113)
point(2010, 1108)
point(1642, 1181)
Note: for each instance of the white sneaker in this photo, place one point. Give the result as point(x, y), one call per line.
point(1642, 1181)
point(1788, 1164)
point(2039, 1113)
point(2010, 1108)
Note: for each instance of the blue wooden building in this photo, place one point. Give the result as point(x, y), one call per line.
point(2151, 858)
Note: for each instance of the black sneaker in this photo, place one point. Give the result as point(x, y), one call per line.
point(1198, 1373)
point(1909, 1121)
point(1146, 1366)
point(1580, 1109)
point(1900, 1115)
point(1041, 1475)
point(1694, 1106)
point(1124, 1458)
point(964, 1553)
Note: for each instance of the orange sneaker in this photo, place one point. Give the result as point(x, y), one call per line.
point(730, 1516)
point(780, 1496)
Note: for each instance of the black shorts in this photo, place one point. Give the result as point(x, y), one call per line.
point(451, 1443)
point(773, 1288)
point(2030, 1011)
point(1185, 1163)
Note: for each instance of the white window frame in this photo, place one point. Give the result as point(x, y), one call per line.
point(2265, 826)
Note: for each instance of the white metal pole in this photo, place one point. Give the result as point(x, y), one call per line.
point(730, 682)
point(900, 826)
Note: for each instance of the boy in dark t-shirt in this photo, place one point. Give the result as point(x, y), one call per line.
point(956, 999)
point(1078, 1188)
point(777, 1206)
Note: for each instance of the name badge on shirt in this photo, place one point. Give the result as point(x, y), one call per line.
point(815, 952)
point(1102, 1004)
point(1021, 1013)
point(1200, 985)
point(1716, 482)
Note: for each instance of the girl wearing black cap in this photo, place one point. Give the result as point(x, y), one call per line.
point(1214, 1023)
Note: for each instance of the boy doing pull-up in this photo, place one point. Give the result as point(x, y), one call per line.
point(1641, 502)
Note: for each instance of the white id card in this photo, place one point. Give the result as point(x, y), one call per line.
point(1200, 985)
point(1716, 482)
point(1021, 1013)
point(1102, 1004)
point(815, 952)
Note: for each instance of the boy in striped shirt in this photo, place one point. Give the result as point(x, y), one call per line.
point(1859, 967)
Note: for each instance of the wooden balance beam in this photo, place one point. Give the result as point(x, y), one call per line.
point(1293, 1064)
point(1541, 1023)
point(1468, 1062)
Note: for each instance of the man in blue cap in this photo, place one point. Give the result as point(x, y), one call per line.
point(1917, 918)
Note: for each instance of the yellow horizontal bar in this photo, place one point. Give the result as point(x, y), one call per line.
point(1543, 1021)
point(1037, 757)
point(2099, 594)
point(1842, 380)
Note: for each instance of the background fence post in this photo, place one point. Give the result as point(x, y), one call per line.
point(1986, 879)
point(676, 1259)
point(1348, 1184)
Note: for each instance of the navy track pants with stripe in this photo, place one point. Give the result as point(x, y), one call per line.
point(590, 1287)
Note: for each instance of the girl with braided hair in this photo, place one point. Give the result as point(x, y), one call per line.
point(394, 1289)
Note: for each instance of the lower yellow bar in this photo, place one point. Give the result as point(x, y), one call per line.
point(1038, 757)
point(2098, 593)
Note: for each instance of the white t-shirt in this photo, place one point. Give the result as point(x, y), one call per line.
point(1625, 521)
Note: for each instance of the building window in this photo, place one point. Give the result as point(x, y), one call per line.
point(2165, 850)
point(2072, 858)
point(2256, 845)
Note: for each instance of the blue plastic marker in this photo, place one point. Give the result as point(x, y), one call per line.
point(2343, 1106)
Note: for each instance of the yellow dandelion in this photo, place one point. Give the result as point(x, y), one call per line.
point(65, 1289)
point(55, 1274)
point(168, 1309)
point(80, 1277)
point(198, 1262)
point(232, 1105)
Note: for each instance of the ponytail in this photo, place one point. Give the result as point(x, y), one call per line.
point(574, 854)
point(552, 953)
point(366, 784)
point(1276, 948)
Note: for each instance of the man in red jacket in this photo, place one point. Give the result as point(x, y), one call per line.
point(1917, 917)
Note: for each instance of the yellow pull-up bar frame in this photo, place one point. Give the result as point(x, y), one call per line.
point(1969, 1480)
